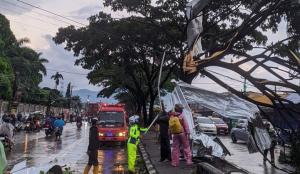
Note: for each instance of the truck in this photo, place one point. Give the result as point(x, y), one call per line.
point(112, 125)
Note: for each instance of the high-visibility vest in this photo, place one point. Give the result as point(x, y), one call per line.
point(134, 134)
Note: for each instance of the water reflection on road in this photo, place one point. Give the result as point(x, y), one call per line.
point(71, 150)
point(112, 159)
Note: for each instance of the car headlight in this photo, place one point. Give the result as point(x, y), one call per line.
point(121, 134)
point(101, 134)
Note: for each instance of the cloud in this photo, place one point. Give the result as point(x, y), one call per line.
point(86, 11)
point(63, 62)
point(14, 7)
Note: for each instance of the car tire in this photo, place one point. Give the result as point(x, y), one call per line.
point(233, 138)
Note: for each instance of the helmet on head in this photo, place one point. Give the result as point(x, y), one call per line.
point(134, 119)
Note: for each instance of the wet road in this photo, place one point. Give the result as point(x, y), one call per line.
point(70, 151)
point(251, 162)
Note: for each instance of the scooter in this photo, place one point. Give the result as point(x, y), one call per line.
point(58, 132)
point(18, 126)
point(48, 129)
point(79, 124)
point(28, 126)
point(6, 142)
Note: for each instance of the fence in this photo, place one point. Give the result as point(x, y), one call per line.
point(25, 108)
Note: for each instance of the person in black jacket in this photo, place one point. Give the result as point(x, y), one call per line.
point(165, 149)
point(93, 149)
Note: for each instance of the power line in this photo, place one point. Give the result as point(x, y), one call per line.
point(50, 12)
point(24, 8)
point(68, 72)
point(230, 77)
point(33, 17)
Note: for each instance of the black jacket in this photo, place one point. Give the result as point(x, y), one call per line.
point(163, 121)
point(93, 139)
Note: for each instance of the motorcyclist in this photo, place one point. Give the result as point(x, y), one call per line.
point(7, 130)
point(59, 123)
point(19, 117)
point(78, 119)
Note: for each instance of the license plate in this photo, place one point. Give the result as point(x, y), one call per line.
point(109, 134)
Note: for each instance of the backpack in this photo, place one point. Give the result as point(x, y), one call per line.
point(175, 125)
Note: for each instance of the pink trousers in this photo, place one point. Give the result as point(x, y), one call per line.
point(181, 139)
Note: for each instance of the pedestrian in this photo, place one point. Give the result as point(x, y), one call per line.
point(273, 144)
point(164, 138)
point(93, 149)
point(180, 136)
point(133, 141)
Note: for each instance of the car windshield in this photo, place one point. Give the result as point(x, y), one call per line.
point(205, 120)
point(218, 121)
point(111, 119)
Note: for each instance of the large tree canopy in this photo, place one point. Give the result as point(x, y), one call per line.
point(22, 68)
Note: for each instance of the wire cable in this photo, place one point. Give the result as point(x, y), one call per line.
point(50, 17)
point(50, 12)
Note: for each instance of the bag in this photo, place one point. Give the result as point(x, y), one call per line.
point(175, 125)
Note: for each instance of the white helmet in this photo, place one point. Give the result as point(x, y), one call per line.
point(134, 119)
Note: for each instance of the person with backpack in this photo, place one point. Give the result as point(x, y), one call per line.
point(179, 129)
point(133, 141)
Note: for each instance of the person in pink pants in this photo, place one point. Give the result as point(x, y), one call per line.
point(181, 139)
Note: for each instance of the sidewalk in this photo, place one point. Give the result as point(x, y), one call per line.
point(153, 149)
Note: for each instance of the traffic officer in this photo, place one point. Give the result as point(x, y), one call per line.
point(133, 140)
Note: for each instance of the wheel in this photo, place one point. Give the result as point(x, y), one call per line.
point(234, 140)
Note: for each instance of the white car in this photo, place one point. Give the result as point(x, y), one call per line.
point(206, 125)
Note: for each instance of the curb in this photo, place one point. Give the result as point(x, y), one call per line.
point(148, 163)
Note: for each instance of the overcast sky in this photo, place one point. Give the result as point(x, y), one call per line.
point(40, 27)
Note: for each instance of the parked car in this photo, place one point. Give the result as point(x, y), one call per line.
point(240, 132)
point(222, 127)
point(206, 125)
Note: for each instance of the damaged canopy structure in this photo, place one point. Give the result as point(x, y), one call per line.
point(226, 104)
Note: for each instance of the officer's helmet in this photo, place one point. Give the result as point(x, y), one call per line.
point(134, 119)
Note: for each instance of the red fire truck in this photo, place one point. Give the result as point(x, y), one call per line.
point(112, 123)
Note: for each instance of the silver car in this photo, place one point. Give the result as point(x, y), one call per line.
point(240, 132)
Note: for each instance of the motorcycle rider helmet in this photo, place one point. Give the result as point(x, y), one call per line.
point(134, 119)
point(6, 119)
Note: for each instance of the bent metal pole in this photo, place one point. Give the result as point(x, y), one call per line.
point(158, 89)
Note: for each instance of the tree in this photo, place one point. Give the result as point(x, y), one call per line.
point(27, 65)
point(6, 79)
point(68, 92)
point(123, 59)
point(56, 77)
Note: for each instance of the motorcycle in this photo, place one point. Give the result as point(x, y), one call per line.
point(37, 125)
point(18, 126)
point(79, 124)
point(48, 129)
point(58, 132)
point(28, 126)
point(6, 142)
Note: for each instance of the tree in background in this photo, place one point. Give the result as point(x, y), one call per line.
point(6, 79)
point(124, 55)
point(68, 95)
point(56, 77)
